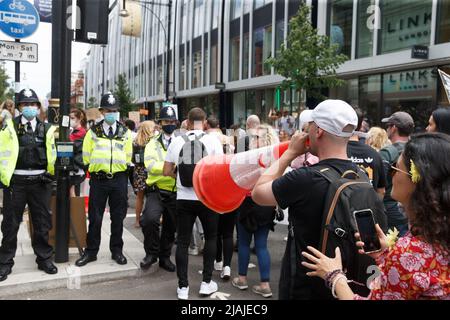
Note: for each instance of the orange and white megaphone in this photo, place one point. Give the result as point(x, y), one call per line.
point(222, 182)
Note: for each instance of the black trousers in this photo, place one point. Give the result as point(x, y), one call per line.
point(37, 195)
point(227, 222)
point(115, 191)
point(157, 204)
point(187, 212)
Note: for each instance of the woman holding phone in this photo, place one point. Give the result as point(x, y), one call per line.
point(417, 265)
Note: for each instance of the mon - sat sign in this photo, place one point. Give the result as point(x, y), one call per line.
point(18, 51)
point(18, 18)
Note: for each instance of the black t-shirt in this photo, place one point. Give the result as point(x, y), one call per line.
point(369, 160)
point(304, 192)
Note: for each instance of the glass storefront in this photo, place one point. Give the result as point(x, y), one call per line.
point(340, 28)
point(262, 48)
point(404, 23)
point(234, 58)
point(366, 23)
point(443, 26)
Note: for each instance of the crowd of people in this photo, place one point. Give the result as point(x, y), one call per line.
point(401, 177)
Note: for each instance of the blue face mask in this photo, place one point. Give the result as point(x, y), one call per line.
point(29, 112)
point(111, 118)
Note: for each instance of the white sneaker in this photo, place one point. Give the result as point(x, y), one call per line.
point(208, 288)
point(226, 273)
point(218, 265)
point(193, 251)
point(183, 293)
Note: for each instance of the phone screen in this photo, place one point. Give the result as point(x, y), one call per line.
point(367, 231)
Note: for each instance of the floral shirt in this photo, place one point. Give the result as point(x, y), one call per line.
point(411, 270)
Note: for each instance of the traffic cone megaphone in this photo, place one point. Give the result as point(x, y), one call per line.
point(221, 182)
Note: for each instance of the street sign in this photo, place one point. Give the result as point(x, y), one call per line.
point(18, 18)
point(18, 51)
point(419, 52)
point(44, 7)
point(219, 85)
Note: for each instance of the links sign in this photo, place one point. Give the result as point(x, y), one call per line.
point(18, 18)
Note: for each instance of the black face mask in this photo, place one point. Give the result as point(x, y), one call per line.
point(169, 128)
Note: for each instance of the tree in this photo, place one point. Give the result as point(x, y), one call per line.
point(309, 61)
point(123, 94)
point(5, 91)
point(92, 103)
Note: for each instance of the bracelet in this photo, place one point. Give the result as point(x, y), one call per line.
point(335, 281)
point(330, 277)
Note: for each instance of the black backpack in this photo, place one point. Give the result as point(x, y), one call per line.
point(191, 153)
point(349, 192)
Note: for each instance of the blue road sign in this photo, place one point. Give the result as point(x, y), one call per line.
point(18, 18)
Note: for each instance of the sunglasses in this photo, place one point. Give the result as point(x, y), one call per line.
point(395, 170)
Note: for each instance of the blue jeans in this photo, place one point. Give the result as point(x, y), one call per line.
point(245, 238)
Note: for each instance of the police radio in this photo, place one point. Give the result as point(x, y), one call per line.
point(64, 156)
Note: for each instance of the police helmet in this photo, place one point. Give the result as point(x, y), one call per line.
point(109, 101)
point(28, 96)
point(167, 113)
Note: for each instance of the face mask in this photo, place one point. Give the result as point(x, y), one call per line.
point(74, 123)
point(169, 128)
point(30, 112)
point(111, 118)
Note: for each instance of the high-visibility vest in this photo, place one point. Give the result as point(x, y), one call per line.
point(154, 156)
point(107, 155)
point(9, 151)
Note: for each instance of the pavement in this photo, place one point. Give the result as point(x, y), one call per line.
point(105, 279)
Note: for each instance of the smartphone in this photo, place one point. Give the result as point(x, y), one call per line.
point(365, 224)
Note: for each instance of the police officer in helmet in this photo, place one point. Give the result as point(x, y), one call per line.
point(28, 159)
point(107, 150)
point(160, 197)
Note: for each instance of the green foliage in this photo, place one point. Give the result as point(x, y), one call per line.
point(92, 103)
point(5, 91)
point(123, 94)
point(309, 61)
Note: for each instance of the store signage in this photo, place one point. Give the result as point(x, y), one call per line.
point(44, 7)
point(419, 52)
point(220, 85)
point(407, 81)
point(446, 82)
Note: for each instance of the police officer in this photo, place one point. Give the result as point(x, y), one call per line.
point(28, 155)
point(160, 198)
point(107, 150)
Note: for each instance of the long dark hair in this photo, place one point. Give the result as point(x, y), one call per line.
point(441, 117)
point(430, 202)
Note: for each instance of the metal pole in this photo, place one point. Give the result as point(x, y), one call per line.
point(168, 49)
point(17, 80)
point(61, 68)
point(103, 69)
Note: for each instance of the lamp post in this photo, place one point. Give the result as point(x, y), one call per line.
point(124, 13)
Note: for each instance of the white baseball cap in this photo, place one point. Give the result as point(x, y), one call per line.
point(335, 117)
point(305, 117)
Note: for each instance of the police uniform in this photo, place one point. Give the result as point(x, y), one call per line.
point(160, 200)
point(27, 158)
point(107, 150)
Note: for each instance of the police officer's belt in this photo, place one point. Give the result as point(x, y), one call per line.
point(106, 175)
point(39, 178)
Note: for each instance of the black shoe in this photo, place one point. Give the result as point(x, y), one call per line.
point(4, 272)
point(119, 258)
point(85, 259)
point(48, 267)
point(148, 261)
point(166, 264)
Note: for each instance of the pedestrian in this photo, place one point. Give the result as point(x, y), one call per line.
point(131, 125)
point(78, 126)
point(7, 110)
point(283, 136)
point(439, 121)
point(107, 150)
point(28, 155)
point(400, 125)
point(367, 158)
point(160, 197)
point(287, 123)
point(307, 159)
point(416, 265)
point(184, 152)
point(243, 143)
point(377, 138)
point(304, 192)
point(139, 172)
point(256, 221)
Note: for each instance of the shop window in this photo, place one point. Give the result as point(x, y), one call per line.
point(196, 69)
point(245, 53)
point(235, 9)
point(279, 35)
point(234, 58)
point(366, 27)
point(369, 97)
point(404, 23)
point(262, 48)
point(340, 27)
point(443, 25)
point(213, 66)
